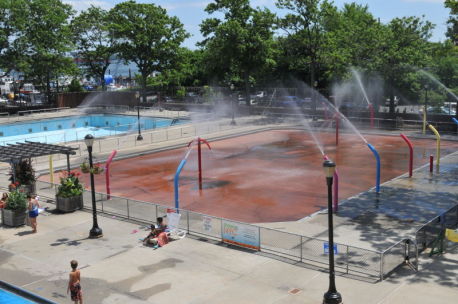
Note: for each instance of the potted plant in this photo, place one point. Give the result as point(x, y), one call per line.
point(25, 175)
point(97, 169)
point(69, 195)
point(14, 213)
point(84, 167)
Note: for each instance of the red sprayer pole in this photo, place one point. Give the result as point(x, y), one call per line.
point(107, 172)
point(371, 113)
point(199, 151)
point(409, 143)
point(431, 161)
point(335, 206)
point(199, 156)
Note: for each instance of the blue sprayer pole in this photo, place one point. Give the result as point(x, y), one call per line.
point(175, 182)
point(455, 120)
point(377, 157)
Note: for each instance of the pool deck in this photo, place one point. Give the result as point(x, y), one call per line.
point(119, 269)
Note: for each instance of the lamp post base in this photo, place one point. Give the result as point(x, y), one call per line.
point(95, 233)
point(332, 297)
point(233, 123)
point(139, 137)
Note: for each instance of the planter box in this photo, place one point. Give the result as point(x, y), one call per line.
point(69, 204)
point(13, 218)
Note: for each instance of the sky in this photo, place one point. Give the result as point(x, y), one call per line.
point(191, 12)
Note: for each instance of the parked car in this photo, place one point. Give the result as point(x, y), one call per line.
point(292, 101)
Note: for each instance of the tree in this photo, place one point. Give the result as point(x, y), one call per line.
point(239, 45)
point(48, 39)
point(13, 18)
point(452, 30)
point(353, 39)
point(404, 49)
point(147, 36)
point(94, 42)
point(306, 28)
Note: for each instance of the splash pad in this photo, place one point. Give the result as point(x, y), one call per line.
point(268, 176)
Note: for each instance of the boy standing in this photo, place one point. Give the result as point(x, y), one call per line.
point(74, 285)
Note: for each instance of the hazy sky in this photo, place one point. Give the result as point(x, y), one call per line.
point(191, 12)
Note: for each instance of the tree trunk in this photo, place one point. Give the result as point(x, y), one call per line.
point(144, 77)
point(48, 87)
point(102, 81)
point(246, 78)
point(392, 106)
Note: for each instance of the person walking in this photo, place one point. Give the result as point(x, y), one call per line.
point(33, 211)
point(74, 283)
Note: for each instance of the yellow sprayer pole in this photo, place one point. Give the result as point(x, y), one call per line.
point(438, 140)
point(51, 170)
point(424, 120)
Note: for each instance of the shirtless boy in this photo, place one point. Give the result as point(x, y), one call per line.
point(74, 284)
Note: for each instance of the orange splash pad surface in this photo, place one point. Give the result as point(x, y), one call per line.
point(264, 177)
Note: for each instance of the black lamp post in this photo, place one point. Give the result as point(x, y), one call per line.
point(233, 123)
point(331, 296)
point(137, 95)
point(95, 232)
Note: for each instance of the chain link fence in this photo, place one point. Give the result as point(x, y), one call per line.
point(308, 250)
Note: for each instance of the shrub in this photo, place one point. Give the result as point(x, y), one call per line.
point(25, 174)
point(17, 200)
point(69, 184)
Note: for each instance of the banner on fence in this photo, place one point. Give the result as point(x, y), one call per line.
point(241, 235)
point(326, 248)
point(207, 223)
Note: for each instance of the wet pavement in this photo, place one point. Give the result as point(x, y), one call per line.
point(269, 176)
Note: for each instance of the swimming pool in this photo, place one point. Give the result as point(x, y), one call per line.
point(73, 128)
point(10, 298)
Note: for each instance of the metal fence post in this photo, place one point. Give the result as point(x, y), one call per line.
point(128, 213)
point(187, 220)
point(302, 242)
point(155, 212)
point(348, 258)
point(381, 266)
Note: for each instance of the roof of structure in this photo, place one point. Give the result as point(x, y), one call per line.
point(18, 151)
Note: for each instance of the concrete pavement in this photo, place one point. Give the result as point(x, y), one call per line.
point(119, 269)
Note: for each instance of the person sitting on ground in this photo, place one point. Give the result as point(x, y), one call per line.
point(3, 200)
point(151, 238)
point(160, 224)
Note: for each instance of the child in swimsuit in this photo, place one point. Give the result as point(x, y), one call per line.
point(74, 285)
point(33, 211)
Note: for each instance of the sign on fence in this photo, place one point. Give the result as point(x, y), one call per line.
point(207, 223)
point(326, 248)
point(241, 235)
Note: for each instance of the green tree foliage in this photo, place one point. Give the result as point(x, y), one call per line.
point(405, 49)
point(147, 36)
point(94, 42)
point(306, 39)
point(452, 30)
point(354, 38)
point(13, 18)
point(48, 39)
point(239, 45)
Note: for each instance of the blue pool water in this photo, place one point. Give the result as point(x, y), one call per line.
point(76, 127)
point(10, 298)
